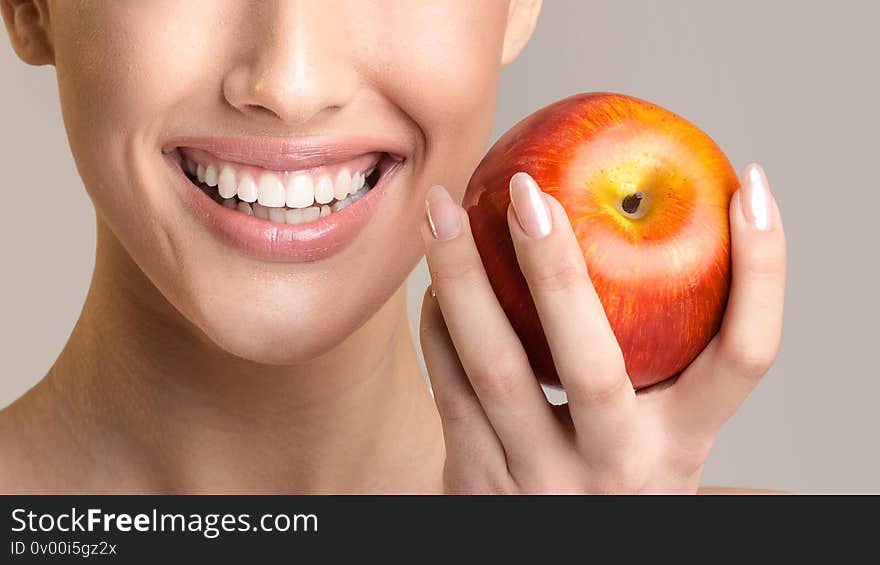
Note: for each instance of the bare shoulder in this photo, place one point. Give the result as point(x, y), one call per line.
point(31, 450)
point(738, 491)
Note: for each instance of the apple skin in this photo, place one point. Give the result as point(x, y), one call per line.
point(661, 269)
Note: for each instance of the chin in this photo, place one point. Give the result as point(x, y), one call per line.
point(297, 327)
point(273, 304)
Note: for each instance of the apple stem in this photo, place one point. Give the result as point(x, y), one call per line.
point(631, 202)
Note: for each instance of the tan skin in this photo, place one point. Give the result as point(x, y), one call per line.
point(315, 386)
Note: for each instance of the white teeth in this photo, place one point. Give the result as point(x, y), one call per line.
point(307, 199)
point(270, 191)
point(357, 181)
point(300, 192)
point(226, 182)
point(339, 205)
point(344, 203)
point(303, 215)
point(311, 213)
point(247, 189)
point(246, 208)
point(211, 175)
point(294, 215)
point(324, 190)
point(261, 211)
point(277, 215)
point(342, 185)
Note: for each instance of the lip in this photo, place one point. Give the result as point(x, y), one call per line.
point(285, 154)
point(271, 241)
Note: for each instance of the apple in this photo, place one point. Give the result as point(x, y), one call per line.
point(647, 194)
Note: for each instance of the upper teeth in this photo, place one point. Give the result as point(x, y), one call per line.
point(274, 190)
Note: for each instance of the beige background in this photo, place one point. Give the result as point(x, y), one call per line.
point(794, 85)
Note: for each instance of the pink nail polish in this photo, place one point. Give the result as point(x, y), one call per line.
point(443, 213)
point(529, 205)
point(755, 199)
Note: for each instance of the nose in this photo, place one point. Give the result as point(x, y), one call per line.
point(292, 67)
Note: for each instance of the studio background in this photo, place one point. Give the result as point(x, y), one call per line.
point(793, 85)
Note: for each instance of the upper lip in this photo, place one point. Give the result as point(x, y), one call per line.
point(289, 154)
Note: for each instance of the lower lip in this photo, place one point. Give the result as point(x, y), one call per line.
point(272, 241)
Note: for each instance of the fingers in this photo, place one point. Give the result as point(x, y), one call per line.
point(470, 440)
point(585, 351)
point(717, 382)
point(490, 352)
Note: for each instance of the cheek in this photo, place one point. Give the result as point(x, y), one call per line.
point(449, 78)
point(120, 65)
point(127, 71)
point(446, 79)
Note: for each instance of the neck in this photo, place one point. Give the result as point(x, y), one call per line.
point(150, 398)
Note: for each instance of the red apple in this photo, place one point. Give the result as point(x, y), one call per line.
point(647, 194)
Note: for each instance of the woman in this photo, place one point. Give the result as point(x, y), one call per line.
point(260, 174)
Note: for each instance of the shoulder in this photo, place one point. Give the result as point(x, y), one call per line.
point(32, 447)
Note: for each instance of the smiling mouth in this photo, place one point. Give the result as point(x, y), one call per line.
point(285, 197)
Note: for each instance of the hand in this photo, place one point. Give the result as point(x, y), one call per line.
point(501, 434)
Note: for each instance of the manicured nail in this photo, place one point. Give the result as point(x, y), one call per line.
point(529, 205)
point(755, 200)
point(443, 213)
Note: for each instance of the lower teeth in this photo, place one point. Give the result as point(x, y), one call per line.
point(282, 215)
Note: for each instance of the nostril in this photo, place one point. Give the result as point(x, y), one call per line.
point(260, 110)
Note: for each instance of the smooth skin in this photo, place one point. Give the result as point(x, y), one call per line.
point(196, 369)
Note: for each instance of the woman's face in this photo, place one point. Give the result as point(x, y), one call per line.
point(289, 97)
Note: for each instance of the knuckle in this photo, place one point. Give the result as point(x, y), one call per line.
point(457, 409)
point(560, 273)
point(600, 388)
point(750, 361)
point(689, 455)
point(628, 474)
point(766, 262)
point(621, 477)
point(455, 269)
point(557, 477)
point(500, 377)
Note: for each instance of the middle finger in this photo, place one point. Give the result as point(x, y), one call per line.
point(585, 351)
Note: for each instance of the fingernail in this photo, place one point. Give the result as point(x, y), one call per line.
point(529, 205)
point(443, 213)
point(755, 200)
